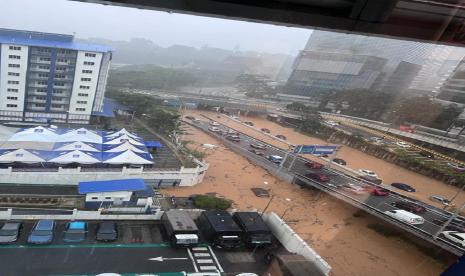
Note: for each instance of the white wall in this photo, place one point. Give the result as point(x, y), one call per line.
point(4, 77)
point(121, 195)
point(77, 83)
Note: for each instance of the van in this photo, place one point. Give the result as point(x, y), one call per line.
point(405, 216)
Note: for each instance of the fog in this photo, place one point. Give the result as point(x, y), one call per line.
point(88, 20)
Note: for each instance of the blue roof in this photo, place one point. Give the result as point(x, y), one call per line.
point(153, 144)
point(39, 39)
point(136, 184)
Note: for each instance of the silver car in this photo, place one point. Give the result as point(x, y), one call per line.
point(9, 232)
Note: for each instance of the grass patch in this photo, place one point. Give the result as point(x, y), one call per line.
point(210, 202)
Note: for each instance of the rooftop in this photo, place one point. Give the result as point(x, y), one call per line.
point(221, 220)
point(64, 41)
point(251, 221)
point(136, 184)
point(180, 220)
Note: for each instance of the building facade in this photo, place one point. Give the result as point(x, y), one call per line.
point(402, 77)
point(50, 77)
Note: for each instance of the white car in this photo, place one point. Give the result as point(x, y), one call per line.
point(331, 123)
point(403, 145)
point(368, 172)
point(405, 216)
point(214, 123)
point(214, 129)
point(355, 189)
point(455, 237)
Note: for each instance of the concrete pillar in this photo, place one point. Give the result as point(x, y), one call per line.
point(75, 214)
point(9, 213)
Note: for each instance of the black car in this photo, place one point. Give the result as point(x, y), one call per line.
point(409, 206)
point(190, 117)
point(426, 154)
point(403, 186)
point(340, 161)
point(107, 231)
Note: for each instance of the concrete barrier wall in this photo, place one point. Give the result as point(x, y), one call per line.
point(80, 215)
point(293, 242)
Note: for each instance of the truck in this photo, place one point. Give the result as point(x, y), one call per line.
point(181, 228)
point(255, 231)
point(218, 227)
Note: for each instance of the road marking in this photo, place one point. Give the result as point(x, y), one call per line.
point(216, 260)
point(208, 267)
point(199, 248)
point(202, 254)
point(205, 261)
point(192, 259)
point(161, 259)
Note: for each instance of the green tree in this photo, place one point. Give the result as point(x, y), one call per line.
point(296, 106)
point(253, 85)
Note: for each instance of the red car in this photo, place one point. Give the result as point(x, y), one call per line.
point(314, 165)
point(380, 192)
point(318, 177)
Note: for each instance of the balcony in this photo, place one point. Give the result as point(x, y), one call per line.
point(35, 93)
point(58, 109)
point(35, 100)
point(35, 108)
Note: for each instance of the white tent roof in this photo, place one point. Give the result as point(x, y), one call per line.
point(126, 146)
point(123, 131)
point(123, 137)
point(77, 146)
point(128, 157)
point(20, 155)
point(74, 156)
point(80, 134)
point(35, 134)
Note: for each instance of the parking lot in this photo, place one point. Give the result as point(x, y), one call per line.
point(141, 247)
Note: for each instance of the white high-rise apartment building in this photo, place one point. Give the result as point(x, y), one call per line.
point(51, 77)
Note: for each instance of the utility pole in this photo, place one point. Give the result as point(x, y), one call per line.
point(267, 205)
point(448, 221)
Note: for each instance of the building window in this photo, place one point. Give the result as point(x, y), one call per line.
point(13, 82)
point(46, 67)
point(44, 59)
point(94, 197)
point(82, 102)
point(87, 71)
point(59, 68)
point(57, 105)
point(84, 87)
point(41, 90)
point(42, 83)
point(83, 94)
point(12, 90)
point(108, 197)
point(57, 91)
point(44, 50)
point(39, 105)
point(89, 63)
point(90, 55)
point(85, 79)
point(19, 155)
point(14, 57)
point(62, 60)
point(15, 48)
point(42, 98)
point(43, 75)
point(59, 84)
point(13, 65)
point(59, 76)
point(80, 109)
point(13, 74)
point(11, 105)
point(65, 52)
point(81, 132)
point(12, 98)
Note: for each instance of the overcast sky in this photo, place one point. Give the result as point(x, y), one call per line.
point(165, 29)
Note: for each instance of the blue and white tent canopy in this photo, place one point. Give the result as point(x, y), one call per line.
point(80, 134)
point(123, 131)
point(76, 156)
point(124, 138)
point(20, 155)
point(36, 134)
point(63, 146)
point(124, 147)
point(126, 157)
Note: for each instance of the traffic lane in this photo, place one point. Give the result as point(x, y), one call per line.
point(59, 261)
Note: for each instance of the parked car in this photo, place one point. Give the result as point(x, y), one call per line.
point(10, 232)
point(403, 186)
point(378, 191)
point(282, 137)
point(257, 152)
point(42, 232)
point(107, 231)
point(340, 161)
point(409, 206)
point(457, 167)
point(353, 188)
point(314, 165)
point(372, 179)
point(455, 237)
point(320, 177)
point(234, 138)
point(260, 192)
point(190, 117)
point(367, 172)
point(275, 158)
point(331, 123)
point(258, 146)
point(405, 216)
point(402, 145)
point(196, 121)
point(248, 123)
point(214, 129)
point(214, 123)
point(76, 231)
point(440, 199)
point(376, 140)
point(426, 154)
point(265, 130)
